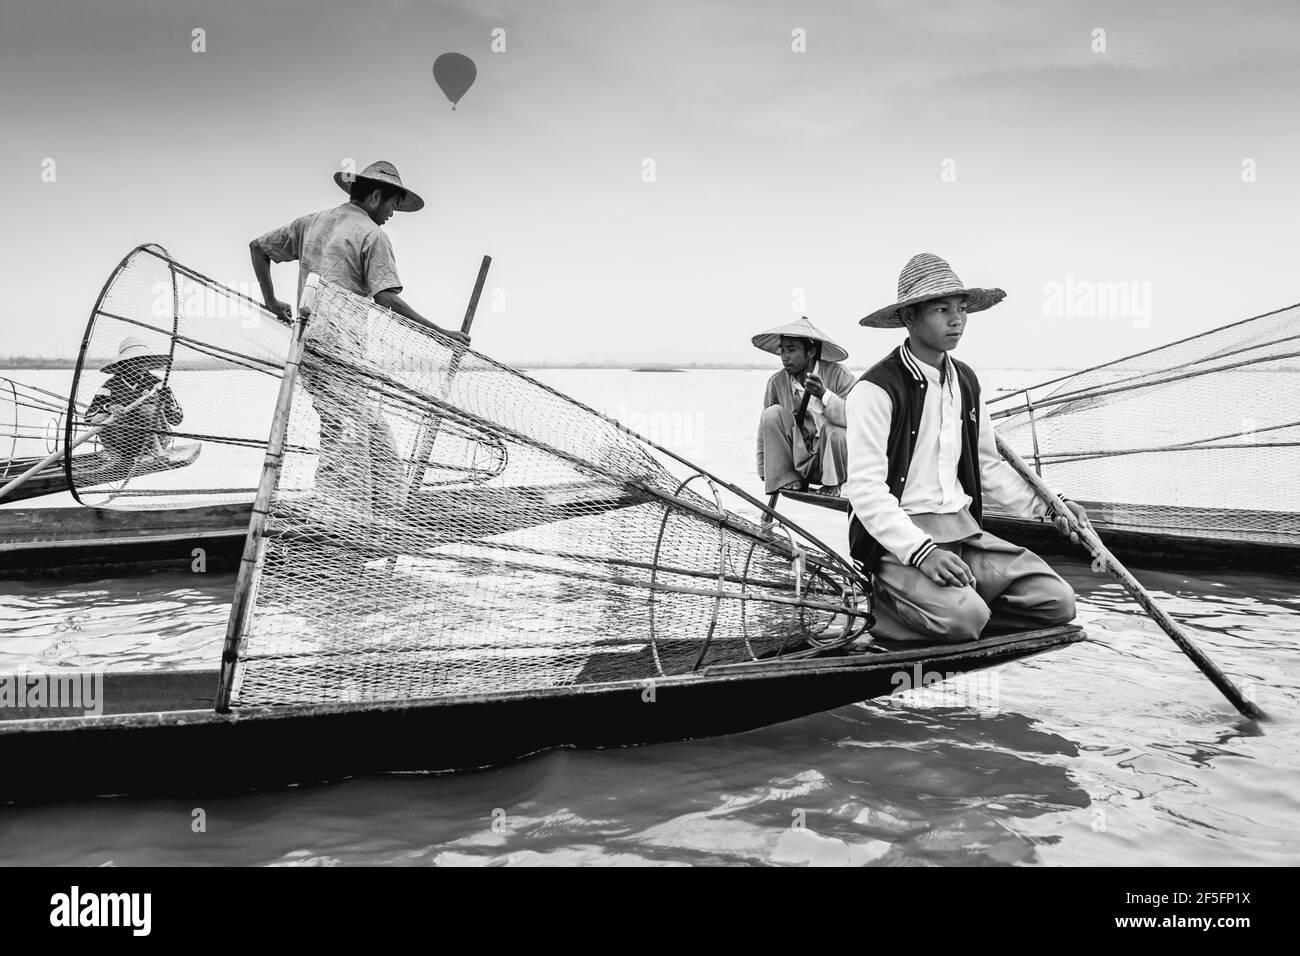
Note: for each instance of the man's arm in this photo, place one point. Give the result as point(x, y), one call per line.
point(380, 267)
point(278, 245)
point(839, 382)
point(1002, 485)
point(172, 411)
point(262, 269)
point(389, 299)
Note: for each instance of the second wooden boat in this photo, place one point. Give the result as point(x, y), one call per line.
point(102, 542)
point(1144, 547)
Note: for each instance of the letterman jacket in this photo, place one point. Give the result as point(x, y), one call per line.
point(884, 413)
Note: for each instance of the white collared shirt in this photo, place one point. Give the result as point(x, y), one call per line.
point(931, 485)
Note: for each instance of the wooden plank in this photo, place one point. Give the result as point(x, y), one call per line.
point(21, 528)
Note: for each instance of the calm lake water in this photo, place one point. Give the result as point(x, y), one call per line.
point(1114, 751)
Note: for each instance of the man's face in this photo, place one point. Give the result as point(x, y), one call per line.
point(796, 357)
point(381, 210)
point(939, 323)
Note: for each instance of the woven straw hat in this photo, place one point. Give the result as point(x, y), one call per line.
point(136, 353)
point(770, 341)
point(927, 277)
point(382, 172)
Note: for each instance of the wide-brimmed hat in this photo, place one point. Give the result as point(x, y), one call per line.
point(382, 172)
point(927, 277)
point(136, 353)
point(770, 341)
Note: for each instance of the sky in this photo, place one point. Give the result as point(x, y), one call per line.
point(1125, 171)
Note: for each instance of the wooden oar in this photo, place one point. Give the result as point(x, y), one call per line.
point(800, 414)
point(431, 423)
point(78, 440)
point(1088, 537)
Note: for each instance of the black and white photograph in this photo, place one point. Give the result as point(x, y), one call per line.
point(593, 433)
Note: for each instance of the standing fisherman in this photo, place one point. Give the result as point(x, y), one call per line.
point(346, 245)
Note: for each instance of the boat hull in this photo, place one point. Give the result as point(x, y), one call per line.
point(156, 736)
point(100, 542)
point(1150, 549)
point(89, 469)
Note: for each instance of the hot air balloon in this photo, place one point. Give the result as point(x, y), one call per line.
point(454, 73)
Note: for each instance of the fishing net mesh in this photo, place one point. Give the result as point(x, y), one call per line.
point(181, 372)
point(31, 427)
point(1199, 438)
point(442, 524)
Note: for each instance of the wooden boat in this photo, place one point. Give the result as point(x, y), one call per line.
point(1144, 548)
point(160, 734)
point(103, 542)
point(1184, 454)
point(569, 583)
point(93, 469)
point(81, 541)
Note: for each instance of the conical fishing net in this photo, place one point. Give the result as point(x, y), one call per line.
point(31, 427)
point(181, 373)
point(1199, 438)
point(442, 524)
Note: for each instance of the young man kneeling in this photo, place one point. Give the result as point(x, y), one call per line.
point(922, 456)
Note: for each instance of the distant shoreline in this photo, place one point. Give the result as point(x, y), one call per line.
point(40, 363)
point(32, 361)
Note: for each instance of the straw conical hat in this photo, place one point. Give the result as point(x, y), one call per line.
point(136, 352)
point(927, 277)
point(382, 172)
point(770, 341)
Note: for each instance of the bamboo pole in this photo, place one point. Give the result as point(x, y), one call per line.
point(430, 427)
point(79, 440)
point(1089, 538)
point(250, 565)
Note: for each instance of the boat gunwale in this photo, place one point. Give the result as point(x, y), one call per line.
point(1027, 642)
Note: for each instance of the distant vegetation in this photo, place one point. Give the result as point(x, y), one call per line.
point(42, 362)
point(36, 361)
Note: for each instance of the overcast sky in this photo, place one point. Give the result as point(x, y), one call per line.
point(995, 133)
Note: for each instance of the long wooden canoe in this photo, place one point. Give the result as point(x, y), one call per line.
point(76, 542)
point(160, 734)
point(1152, 549)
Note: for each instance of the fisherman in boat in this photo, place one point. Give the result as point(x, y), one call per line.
point(801, 437)
point(146, 429)
point(346, 245)
point(922, 458)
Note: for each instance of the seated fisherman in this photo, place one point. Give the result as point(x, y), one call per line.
point(922, 458)
point(790, 455)
point(145, 430)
